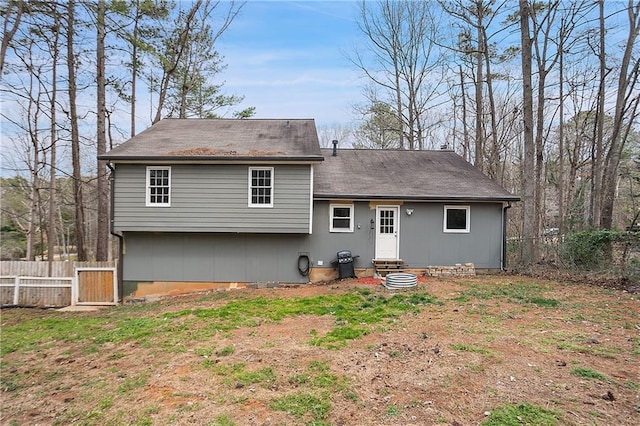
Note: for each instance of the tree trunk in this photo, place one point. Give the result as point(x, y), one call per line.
point(8, 33)
point(528, 199)
point(539, 150)
point(465, 128)
point(102, 236)
point(561, 214)
point(596, 167)
point(173, 62)
point(33, 210)
point(398, 94)
point(34, 199)
point(479, 151)
point(75, 136)
point(626, 101)
point(134, 68)
point(51, 228)
point(493, 168)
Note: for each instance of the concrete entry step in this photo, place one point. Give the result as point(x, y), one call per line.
point(81, 308)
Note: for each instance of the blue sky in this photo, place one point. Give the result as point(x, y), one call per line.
point(288, 59)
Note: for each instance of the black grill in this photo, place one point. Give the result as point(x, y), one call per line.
point(345, 265)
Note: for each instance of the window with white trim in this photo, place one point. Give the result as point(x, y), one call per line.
point(158, 186)
point(260, 186)
point(456, 219)
point(341, 218)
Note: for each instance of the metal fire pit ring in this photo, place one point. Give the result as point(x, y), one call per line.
point(400, 281)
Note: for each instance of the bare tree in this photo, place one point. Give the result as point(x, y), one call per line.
point(33, 87)
point(49, 123)
point(475, 15)
point(545, 61)
point(400, 37)
point(75, 132)
point(102, 180)
point(465, 127)
point(191, 25)
point(328, 133)
point(9, 29)
point(140, 25)
point(528, 200)
point(595, 199)
point(625, 114)
point(157, 12)
point(170, 60)
point(53, 99)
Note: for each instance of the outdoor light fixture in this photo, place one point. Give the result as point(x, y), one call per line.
point(409, 212)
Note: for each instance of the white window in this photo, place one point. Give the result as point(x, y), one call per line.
point(456, 219)
point(158, 186)
point(341, 218)
point(260, 186)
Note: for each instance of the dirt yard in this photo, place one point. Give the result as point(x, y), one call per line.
point(485, 343)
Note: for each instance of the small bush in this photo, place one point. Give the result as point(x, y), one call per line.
point(588, 249)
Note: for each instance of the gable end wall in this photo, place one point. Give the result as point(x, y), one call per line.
point(213, 198)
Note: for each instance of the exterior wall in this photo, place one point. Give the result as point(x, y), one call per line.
point(209, 257)
point(422, 240)
point(213, 198)
point(239, 258)
point(361, 242)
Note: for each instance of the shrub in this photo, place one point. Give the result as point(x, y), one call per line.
point(588, 249)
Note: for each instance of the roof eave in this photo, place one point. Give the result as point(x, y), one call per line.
point(191, 159)
point(429, 198)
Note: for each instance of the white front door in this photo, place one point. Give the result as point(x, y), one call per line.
point(387, 228)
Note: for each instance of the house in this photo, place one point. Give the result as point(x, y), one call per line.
point(200, 204)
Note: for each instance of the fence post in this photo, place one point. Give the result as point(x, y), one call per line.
point(16, 291)
point(74, 288)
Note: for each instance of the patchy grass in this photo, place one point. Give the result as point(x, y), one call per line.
point(304, 406)
point(588, 373)
point(444, 353)
point(133, 383)
point(470, 348)
point(524, 293)
point(354, 314)
point(522, 414)
point(226, 351)
point(223, 420)
point(238, 375)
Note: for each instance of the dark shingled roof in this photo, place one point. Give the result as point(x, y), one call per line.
point(401, 175)
point(222, 139)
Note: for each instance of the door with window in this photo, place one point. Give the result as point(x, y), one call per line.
point(387, 232)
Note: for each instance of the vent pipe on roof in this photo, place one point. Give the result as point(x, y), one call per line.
point(335, 148)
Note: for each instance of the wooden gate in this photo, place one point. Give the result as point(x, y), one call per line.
point(95, 286)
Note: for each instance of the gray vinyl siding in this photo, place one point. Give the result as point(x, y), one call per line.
point(213, 198)
point(427, 241)
point(200, 257)
point(422, 240)
point(325, 244)
point(264, 257)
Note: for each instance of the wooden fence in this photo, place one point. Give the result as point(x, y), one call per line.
point(29, 283)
